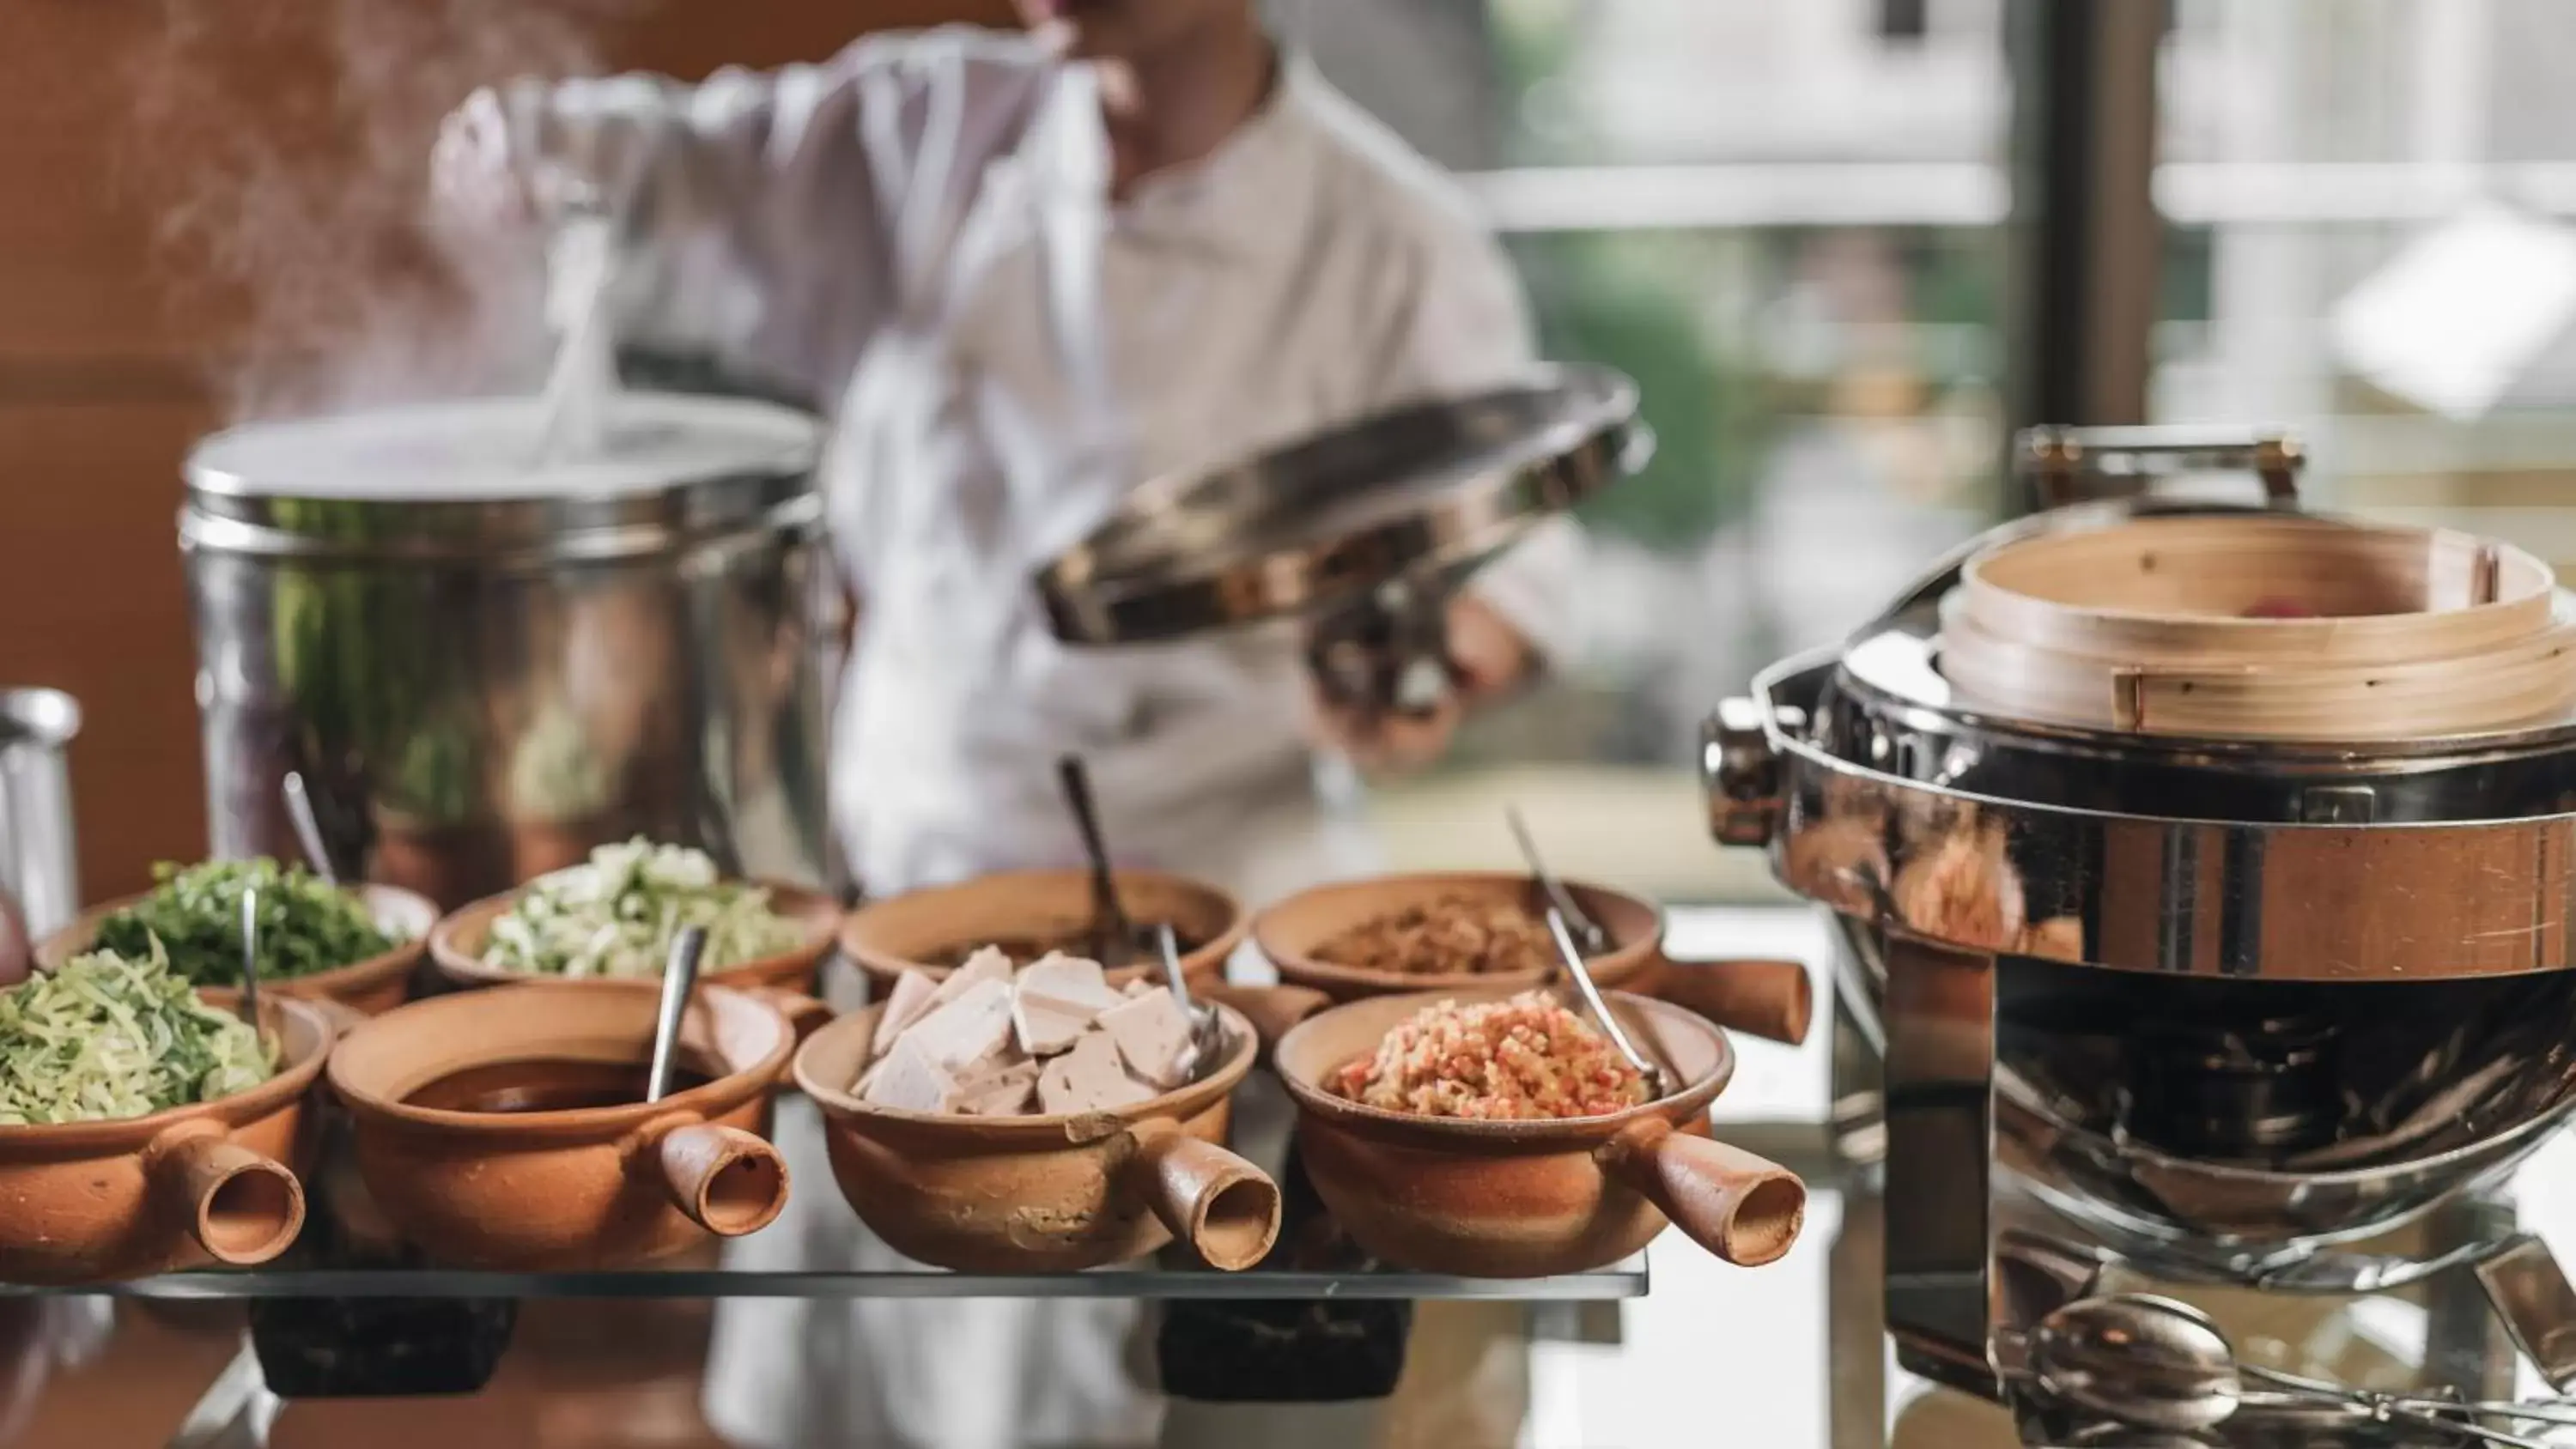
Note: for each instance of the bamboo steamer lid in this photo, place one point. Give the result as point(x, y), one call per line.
point(2261, 627)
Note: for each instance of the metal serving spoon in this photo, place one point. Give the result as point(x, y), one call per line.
point(679, 978)
point(1659, 1083)
point(2154, 1363)
point(1587, 931)
point(250, 956)
point(308, 826)
point(1207, 1029)
point(1113, 936)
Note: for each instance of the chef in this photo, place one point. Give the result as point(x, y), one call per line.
point(1025, 273)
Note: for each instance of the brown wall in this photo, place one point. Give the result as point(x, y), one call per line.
point(114, 317)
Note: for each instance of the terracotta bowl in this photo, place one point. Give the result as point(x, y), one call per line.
point(378, 983)
point(456, 945)
point(589, 1187)
point(1768, 999)
point(1530, 1199)
point(95, 1202)
point(889, 937)
point(1043, 1194)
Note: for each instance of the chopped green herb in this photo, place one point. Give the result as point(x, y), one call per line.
point(111, 1036)
point(194, 913)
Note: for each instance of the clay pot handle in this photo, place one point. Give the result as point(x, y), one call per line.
point(1743, 1208)
point(1225, 1208)
point(242, 1208)
point(1773, 1000)
point(1272, 1010)
point(728, 1181)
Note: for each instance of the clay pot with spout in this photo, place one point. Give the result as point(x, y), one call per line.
point(1044, 1194)
point(1528, 1199)
point(212, 1182)
point(514, 1178)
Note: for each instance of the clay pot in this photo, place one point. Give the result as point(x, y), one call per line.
point(889, 937)
point(587, 1187)
point(1769, 999)
point(456, 945)
point(1043, 1194)
point(96, 1202)
point(1531, 1199)
point(379, 983)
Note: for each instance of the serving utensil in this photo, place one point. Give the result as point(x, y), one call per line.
point(1207, 1029)
point(249, 1003)
point(2155, 1363)
point(679, 978)
point(1659, 1083)
point(1113, 936)
point(1587, 931)
point(308, 826)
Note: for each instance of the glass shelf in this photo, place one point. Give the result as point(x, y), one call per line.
point(819, 1249)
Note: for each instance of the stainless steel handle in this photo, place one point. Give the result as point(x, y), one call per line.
point(2061, 460)
point(1739, 764)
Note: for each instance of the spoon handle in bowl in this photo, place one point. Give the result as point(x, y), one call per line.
point(1744, 1208)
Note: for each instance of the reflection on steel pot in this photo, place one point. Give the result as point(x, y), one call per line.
point(39, 866)
point(483, 668)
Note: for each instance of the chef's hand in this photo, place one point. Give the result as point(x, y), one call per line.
point(1488, 658)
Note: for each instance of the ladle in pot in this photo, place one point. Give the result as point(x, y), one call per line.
point(1207, 1029)
point(1113, 936)
point(249, 1003)
point(1587, 931)
point(1659, 1083)
point(679, 978)
point(308, 826)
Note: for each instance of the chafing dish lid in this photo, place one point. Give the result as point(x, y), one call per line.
point(1432, 488)
point(459, 476)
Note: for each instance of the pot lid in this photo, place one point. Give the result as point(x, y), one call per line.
point(458, 476)
point(1427, 490)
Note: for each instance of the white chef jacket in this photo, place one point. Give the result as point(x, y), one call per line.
point(921, 226)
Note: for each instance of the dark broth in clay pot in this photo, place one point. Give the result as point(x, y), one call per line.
point(547, 1085)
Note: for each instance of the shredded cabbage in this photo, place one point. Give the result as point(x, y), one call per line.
point(617, 914)
point(111, 1036)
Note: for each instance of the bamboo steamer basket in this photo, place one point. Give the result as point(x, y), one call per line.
point(2261, 627)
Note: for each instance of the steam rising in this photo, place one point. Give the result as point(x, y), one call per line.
point(283, 146)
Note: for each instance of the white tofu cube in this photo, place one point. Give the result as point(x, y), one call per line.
point(909, 1081)
point(999, 1092)
point(904, 1005)
point(1152, 1033)
point(1055, 1000)
point(1088, 1079)
point(988, 964)
point(971, 1027)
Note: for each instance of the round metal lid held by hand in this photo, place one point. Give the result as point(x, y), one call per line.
point(1427, 490)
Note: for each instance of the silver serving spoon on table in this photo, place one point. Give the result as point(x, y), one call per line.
point(2155, 1363)
point(1113, 935)
point(679, 978)
point(1587, 932)
point(1207, 1029)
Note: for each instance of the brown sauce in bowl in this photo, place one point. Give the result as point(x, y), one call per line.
point(546, 1084)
